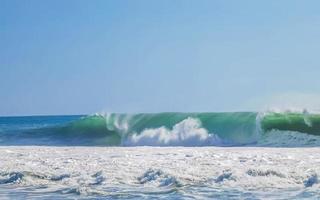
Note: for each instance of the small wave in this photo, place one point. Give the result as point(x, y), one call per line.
point(19, 177)
point(226, 175)
point(59, 177)
point(99, 178)
point(311, 180)
point(268, 172)
point(158, 178)
point(12, 177)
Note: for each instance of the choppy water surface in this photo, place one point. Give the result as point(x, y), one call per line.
point(159, 172)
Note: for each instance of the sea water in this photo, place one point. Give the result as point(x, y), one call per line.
point(160, 156)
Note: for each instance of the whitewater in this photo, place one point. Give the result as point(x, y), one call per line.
point(240, 155)
point(159, 173)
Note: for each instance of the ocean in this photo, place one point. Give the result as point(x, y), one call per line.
point(231, 155)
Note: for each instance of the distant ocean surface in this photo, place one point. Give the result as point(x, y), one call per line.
point(246, 155)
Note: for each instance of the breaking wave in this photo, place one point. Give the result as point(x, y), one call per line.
point(290, 129)
point(188, 132)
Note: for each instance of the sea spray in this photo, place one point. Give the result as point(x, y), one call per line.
point(185, 133)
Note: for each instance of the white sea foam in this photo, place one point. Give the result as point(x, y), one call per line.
point(142, 172)
point(276, 138)
point(185, 133)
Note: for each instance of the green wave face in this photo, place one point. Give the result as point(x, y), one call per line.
point(299, 122)
point(90, 130)
point(234, 127)
point(237, 128)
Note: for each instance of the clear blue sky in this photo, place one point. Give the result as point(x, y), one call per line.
point(70, 57)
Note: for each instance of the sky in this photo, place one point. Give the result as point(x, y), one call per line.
point(84, 57)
